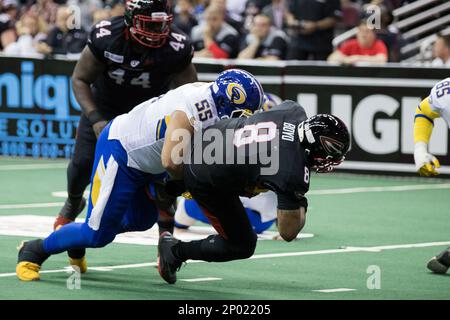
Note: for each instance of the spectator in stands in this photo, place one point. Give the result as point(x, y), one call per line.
point(31, 32)
point(199, 9)
point(234, 20)
point(184, 16)
point(365, 48)
point(278, 13)
point(390, 35)
point(387, 3)
point(264, 42)
point(100, 14)
point(45, 9)
point(441, 51)
point(215, 38)
point(117, 7)
point(259, 4)
point(87, 8)
point(351, 15)
point(8, 18)
point(312, 28)
point(65, 37)
point(252, 9)
point(236, 8)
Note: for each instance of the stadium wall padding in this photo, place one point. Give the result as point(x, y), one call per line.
point(39, 114)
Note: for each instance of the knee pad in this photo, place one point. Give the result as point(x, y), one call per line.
point(245, 249)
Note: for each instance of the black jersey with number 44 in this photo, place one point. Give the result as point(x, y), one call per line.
point(134, 74)
point(261, 152)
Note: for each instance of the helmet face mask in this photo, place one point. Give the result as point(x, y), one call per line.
point(148, 21)
point(327, 140)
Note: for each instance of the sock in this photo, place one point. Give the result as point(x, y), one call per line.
point(166, 226)
point(76, 253)
point(33, 251)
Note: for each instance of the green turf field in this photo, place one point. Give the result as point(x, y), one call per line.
point(395, 224)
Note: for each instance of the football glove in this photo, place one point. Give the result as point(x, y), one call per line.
point(426, 163)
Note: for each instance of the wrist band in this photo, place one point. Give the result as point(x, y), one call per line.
point(94, 117)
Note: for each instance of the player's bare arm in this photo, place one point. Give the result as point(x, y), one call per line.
point(86, 71)
point(178, 121)
point(188, 75)
point(291, 222)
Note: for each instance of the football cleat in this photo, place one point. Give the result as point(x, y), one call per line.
point(76, 257)
point(440, 263)
point(31, 256)
point(168, 264)
point(28, 271)
point(79, 264)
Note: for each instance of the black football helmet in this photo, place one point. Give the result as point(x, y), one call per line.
point(327, 140)
point(148, 21)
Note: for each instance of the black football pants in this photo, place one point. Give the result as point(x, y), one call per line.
point(236, 238)
point(80, 166)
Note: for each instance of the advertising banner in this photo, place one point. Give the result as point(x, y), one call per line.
point(39, 114)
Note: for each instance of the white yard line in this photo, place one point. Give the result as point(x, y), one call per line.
point(334, 290)
point(381, 189)
point(312, 193)
point(14, 167)
point(31, 205)
point(374, 249)
point(201, 279)
point(41, 226)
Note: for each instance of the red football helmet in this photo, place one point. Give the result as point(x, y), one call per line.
point(148, 21)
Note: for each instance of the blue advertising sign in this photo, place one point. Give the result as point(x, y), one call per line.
point(38, 111)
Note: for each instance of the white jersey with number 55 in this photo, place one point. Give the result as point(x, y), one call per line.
point(141, 131)
point(439, 99)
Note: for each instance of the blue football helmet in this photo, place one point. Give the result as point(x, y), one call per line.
point(236, 89)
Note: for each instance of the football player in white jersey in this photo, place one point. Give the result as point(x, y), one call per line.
point(131, 153)
point(261, 211)
point(436, 105)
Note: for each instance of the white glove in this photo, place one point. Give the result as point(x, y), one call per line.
point(426, 163)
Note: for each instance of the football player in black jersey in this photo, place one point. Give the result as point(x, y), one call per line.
point(128, 59)
point(294, 145)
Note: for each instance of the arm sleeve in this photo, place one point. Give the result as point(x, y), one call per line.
point(244, 44)
point(95, 44)
point(278, 48)
point(291, 201)
point(424, 122)
point(333, 9)
point(230, 45)
point(184, 58)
